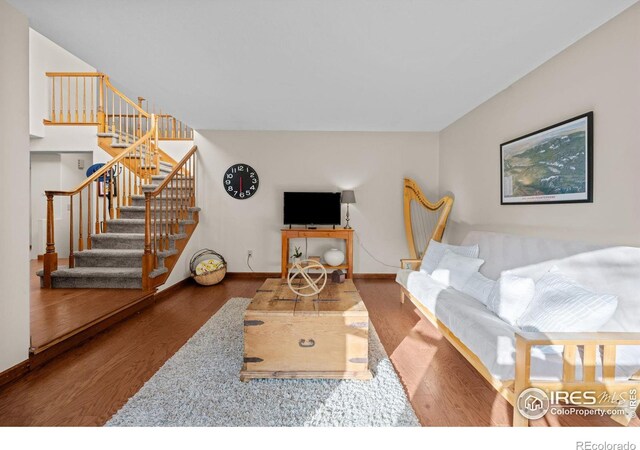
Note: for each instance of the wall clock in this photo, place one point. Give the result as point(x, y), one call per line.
point(241, 181)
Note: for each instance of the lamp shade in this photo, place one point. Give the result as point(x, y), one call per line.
point(348, 197)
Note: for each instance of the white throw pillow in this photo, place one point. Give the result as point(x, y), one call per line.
point(510, 297)
point(454, 270)
point(435, 252)
point(479, 287)
point(560, 304)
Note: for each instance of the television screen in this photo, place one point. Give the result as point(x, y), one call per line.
point(312, 208)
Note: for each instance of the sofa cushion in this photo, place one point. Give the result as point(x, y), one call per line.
point(490, 338)
point(454, 270)
point(510, 297)
point(479, 287)
point(435, 252)
point(560, 304)
point(503, 252)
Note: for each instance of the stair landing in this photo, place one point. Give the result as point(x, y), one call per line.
point(61, 318)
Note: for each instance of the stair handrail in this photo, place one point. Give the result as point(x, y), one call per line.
point(136, 164)
point(104, 169)
point(183, 181)
point(107, 81)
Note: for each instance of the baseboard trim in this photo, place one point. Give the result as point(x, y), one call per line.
point(161, 295)
point(372, 276)
point(15, 372)
point(253, 275)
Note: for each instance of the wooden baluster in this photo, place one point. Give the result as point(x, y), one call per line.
point(102, 125)
point(129, 169)
point(50, 262)
point(161, 240)
point(80, 239)
point(71, 237)
point(116, 182)
point(84, 99)
point(97, 231)
point(147, 261)
point(155, 231)
point(176, 208)
point(89, 221)
point(68, 99)
point(113, 111)
point(111, 184)
point(173, 128)
point(166, 219)
point(120, 117)
point(53, 99)
point(77, 116)
point(92, 95)
point(103, 229)
point(61, 101)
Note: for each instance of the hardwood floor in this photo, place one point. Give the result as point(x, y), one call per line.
point(86, 385)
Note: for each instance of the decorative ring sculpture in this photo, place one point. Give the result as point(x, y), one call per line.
point(307, 280)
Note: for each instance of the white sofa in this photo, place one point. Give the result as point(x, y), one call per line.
point(488, 340)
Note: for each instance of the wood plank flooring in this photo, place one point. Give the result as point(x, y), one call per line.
point(56, 313)
point(88, 384)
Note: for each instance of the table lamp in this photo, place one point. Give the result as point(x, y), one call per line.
point(348, 197)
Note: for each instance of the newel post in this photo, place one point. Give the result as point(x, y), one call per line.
point(147, 258)
point(50, 257)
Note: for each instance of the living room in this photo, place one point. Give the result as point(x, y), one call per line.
point(423, 143)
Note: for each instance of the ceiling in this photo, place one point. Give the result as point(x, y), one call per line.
point(370, 65)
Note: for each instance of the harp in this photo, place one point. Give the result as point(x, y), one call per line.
point(423, 220)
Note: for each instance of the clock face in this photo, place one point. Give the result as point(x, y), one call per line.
point(241, 181)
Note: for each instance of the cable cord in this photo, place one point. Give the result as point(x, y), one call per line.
point(249, 265)
point(371, 255)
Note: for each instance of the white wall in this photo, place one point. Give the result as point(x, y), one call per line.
point(601, 72)
point(55, 171)
point(175, 149)
point(14, 186)
point(373, 164)
point(46, 56)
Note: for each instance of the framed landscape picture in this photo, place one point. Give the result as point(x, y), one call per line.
point(552, 165)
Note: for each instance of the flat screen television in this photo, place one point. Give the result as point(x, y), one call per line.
point(312, 208)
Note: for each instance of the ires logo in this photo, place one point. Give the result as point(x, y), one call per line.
point(534, 403)
point(579, 398)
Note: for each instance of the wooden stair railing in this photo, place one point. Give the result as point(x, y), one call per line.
point(89, 98)
point(165, 207)
point(115, 183)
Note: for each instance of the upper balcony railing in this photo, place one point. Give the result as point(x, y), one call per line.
point(89, 98)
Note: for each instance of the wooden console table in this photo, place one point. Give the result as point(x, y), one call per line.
point(326, 233)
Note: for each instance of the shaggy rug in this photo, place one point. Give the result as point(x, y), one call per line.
point(199, 386)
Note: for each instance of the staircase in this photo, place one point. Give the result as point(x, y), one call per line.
point(137, 213)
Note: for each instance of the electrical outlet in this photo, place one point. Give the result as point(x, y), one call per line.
point(249, 253)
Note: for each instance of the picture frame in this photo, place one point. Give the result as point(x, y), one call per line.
point(551, 165)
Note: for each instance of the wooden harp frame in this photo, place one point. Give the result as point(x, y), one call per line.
point(412, 192)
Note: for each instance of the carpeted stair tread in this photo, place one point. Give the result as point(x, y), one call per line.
point(110, 252)
point(132, 236)
point(141, 221)
point(98, 272)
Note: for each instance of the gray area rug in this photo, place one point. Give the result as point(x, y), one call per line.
point(199, 386)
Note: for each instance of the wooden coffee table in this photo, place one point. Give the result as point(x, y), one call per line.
point(288, 336)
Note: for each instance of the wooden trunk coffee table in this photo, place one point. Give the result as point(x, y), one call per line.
point(289, 336)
